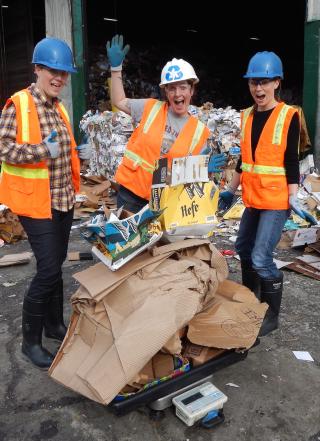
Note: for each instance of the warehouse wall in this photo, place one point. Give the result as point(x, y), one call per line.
point(21, 24)
point(59, 25)
point(312, 75)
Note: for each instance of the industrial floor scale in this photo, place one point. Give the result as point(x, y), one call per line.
point(159, 397)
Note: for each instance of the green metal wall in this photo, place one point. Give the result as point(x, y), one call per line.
point(79, 81)
point(311, 75)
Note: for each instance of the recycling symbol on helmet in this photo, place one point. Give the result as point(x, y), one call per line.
point(174, 73)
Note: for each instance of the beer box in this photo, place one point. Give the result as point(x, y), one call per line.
point(189, 209)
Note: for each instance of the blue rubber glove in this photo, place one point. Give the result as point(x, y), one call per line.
point(52, 145)
point(216, 162)
point(225, 200)
point(84, 151)
point(296, 207)
point(116, 52)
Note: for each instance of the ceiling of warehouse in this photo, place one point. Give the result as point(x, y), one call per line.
point(219, 44)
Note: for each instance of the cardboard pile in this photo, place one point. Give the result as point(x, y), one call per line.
point(122, 319)
point(307, 264)
point(160, 368)
point(312, 186)
point(95, 192)
point(11, 229)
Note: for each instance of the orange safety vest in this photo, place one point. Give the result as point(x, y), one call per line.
point(143, 149)
point(25, 188)
point(264, 183)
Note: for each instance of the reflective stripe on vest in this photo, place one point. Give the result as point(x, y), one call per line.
point(152, 115)
point(263, 169)
point(196, 136)
point(278, 128)
point(28, 173)
point(64, 111)
point(138, 160)
point(24, 105)
point(246, 114)
point(19, 170)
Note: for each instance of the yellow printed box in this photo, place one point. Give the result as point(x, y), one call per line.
point(189, 209)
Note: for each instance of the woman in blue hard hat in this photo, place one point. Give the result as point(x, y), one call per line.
point(166, 128)
point(40, 175)
point(269, 174)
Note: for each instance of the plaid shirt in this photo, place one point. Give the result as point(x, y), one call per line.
point(61, 187)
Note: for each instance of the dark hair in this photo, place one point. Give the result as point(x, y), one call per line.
point(277, 92)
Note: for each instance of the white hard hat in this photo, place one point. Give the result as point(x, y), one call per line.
point(177, 70)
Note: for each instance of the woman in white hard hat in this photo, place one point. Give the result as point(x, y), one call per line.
point(40, 175)
point(166, 129)
point(269, 174)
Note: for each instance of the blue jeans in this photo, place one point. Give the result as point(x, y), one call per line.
point(259, 234)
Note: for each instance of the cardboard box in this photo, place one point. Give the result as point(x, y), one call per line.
point(233, 319)
point(304, 236)
point(120, 237)
point(312, 183)
point(200, 354)
point(189, 209)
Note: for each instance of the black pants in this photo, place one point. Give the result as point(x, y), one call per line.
point(130, 201)
point(49, 242)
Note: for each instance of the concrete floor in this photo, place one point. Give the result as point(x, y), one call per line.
point(278, 398)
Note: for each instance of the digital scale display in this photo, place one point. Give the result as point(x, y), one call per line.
point(192, 398)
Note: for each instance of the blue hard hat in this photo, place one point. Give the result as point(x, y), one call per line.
point(54, 53)
point(264, 65)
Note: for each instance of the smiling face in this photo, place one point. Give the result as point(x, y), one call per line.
point(50, 81)
point(179, 96)
point(263, 92)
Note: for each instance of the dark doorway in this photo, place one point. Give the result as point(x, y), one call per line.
point(22, 22)
point(218, 43)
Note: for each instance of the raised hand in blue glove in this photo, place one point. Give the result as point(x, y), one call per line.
point(216, 162)
point(52, 144)
point(225, 200)
point(84, 151)
point(304, 214)
point(116, 52)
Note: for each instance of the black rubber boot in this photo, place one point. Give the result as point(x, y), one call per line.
point(54, 326)
point(32, 325)
point(250, 278)
point(271, 293)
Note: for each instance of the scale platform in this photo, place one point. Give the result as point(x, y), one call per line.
point(166, 401)
point(160, 397)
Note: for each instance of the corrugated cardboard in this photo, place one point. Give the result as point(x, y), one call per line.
point(305, 236)
point(232, 321)
point(121, 320)
point(174, 345)
point(235, 292)
point(200, 354)
point(15, 259)
point(312, 183)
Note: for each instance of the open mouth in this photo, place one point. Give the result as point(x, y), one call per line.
point(260, 96)
point(179, 102)
point(56, 86)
